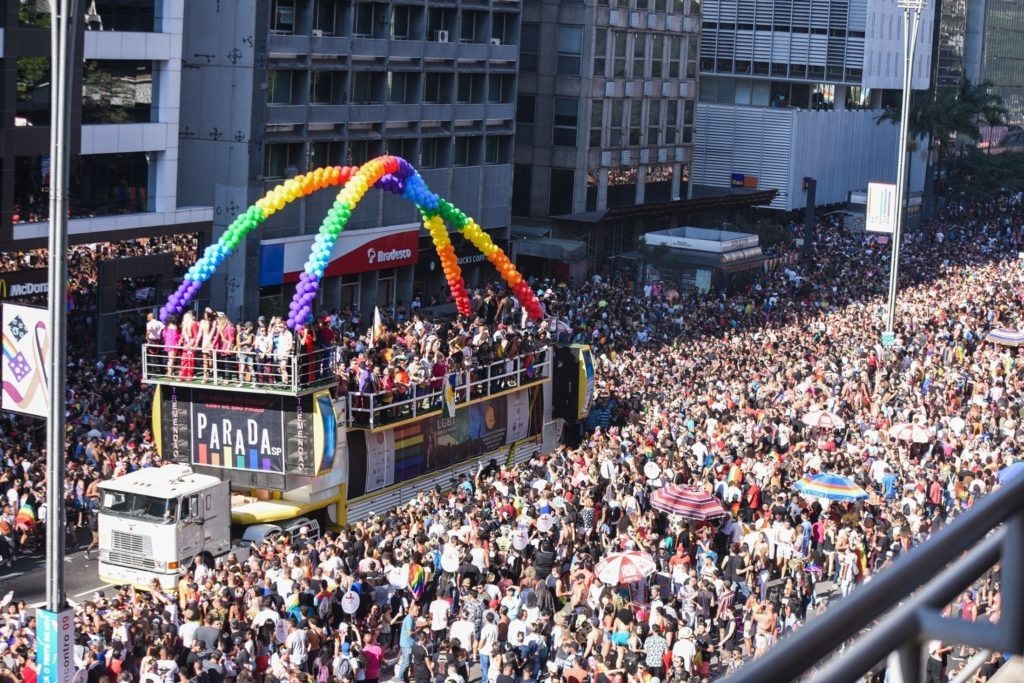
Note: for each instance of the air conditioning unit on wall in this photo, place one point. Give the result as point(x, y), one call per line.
point(441, 36)
point(495, 41)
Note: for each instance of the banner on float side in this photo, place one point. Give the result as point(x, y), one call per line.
point(25, 380)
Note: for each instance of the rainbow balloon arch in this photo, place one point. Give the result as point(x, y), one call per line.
point(390, 173)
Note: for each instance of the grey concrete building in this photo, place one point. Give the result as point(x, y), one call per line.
point(792, 89)
point(605, 109)
point(272, 88)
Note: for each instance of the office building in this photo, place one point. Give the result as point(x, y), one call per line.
point(279, 87)
point(1002, 54)
point(605, 110)
point(793, 90)
point(124, 143)
point(950, 44)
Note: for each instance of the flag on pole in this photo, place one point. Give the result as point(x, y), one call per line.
point(378, 326)
point(447, 398)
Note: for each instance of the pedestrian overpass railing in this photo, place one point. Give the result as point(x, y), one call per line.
point(892, 617)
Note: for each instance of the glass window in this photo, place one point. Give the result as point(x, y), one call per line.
point(619, 55)
point(570, 47)
point(401, 16)
point(600, 51)
point(596, 122)
point(117, 91)
point(362, 87)
point(32, 85)
point(99, 185)
point(639, 54)
point(560, 191)
point(282, 16)
point(115, 15)
point(499, 88)
point(323, 153)
point(529, 43)
point(460, 152)
point(431, 154)
point(616, 125)
point(362, 20)
point(321, 87)
point(138, 506)
point(675, 46)
point(502, 26)
point(324, 16)
point(492, 147)
point(658, 55)
point(279, 87)
point(402, 147)
point(566, 111)
point(635, 119)
point(525, 105)
point(671, 121)
point(436, 88)
point(281, 159)
point(401, 87)
point(653, 121)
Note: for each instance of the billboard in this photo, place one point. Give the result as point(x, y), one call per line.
point(881, 208)
point(246, 433)
point(378, 459)
point(26, 343)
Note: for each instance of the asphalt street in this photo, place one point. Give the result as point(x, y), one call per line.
point(27, 576)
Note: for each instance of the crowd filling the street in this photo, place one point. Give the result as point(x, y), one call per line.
point(749, 459)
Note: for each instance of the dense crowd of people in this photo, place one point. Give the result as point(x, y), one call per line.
point(495, 579)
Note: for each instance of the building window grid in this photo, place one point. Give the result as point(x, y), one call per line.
point(639, 54)
point(724, 50)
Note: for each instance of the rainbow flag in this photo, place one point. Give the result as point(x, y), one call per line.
point(417, 580)
point(26, 518)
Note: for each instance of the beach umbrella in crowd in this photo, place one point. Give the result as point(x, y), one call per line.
point(688, 503)
point(914, 433)
point(1005, 336)
point(1008, 474)
point(823, 419)
point(831, 487)
point(622, 568)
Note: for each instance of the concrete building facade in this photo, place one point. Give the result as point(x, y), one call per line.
point(605, 110)
point(793, 89)
point(278, 87)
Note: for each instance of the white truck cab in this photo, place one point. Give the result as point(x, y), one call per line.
point(154, 521)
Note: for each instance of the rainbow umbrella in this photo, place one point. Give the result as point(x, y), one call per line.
point(619, 569)
point(1005, 336)
point(831, 487)
point(687, 502)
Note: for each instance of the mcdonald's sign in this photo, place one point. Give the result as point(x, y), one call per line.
point(15, 291)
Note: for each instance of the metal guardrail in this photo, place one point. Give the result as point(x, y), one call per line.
point(295, 373)
point(380, 408)
point(245, 370)
point(916, 588)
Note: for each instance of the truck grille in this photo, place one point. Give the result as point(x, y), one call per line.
point(131, 550)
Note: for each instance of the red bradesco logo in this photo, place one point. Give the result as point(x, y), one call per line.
point(387, 251)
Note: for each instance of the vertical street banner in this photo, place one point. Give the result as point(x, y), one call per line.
point(881, 208)
point(380, 459)
point(55, 645)
point(26, 341)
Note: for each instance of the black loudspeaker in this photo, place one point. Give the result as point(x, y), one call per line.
point(773, 588)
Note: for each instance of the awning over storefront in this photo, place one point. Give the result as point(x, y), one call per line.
point(569, 251)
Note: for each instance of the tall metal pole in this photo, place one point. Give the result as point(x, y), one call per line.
point(62, 53)
point(911, 21)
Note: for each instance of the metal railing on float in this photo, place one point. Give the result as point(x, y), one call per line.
point(891, 618)
point(381, 408)
point(245, 370)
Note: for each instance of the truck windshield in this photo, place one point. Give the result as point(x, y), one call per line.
point(121, 504)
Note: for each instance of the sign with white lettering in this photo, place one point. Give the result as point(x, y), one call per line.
point(55, 645)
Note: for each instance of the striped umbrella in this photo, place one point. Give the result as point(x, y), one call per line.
point(823, 419)
point(831, 487)
point(1005, 336)
point(687, 502)
point(623, 568)
point(910, 432)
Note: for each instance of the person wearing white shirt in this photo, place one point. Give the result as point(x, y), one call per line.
point(519, 625)
point(438, 611)
point(187, 631)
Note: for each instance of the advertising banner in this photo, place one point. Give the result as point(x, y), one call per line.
point(238, 430)
point(55, 645)
point(26, 340)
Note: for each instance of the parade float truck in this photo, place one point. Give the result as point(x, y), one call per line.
point(250, 456)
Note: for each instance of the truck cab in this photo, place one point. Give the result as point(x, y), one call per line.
point(154, 521)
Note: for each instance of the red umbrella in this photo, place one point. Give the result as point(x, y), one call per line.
point(687, 502)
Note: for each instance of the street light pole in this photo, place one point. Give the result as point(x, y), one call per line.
point(911, 22)
point(63, 16)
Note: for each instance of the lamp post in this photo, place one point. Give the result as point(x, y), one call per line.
point(911, 23)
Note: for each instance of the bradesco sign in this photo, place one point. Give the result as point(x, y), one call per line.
point(358, 251)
